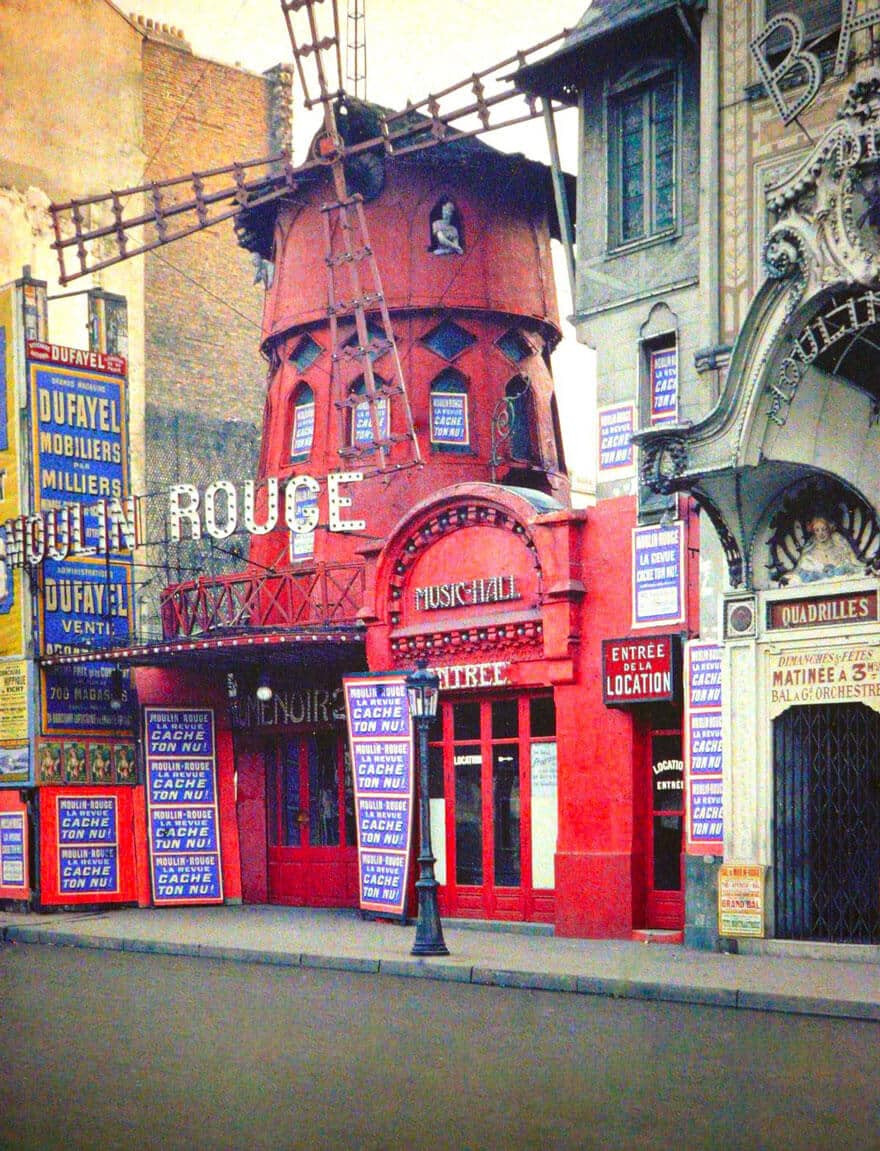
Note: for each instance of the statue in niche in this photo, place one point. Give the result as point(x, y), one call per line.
point(826, 555)
point(446, 230)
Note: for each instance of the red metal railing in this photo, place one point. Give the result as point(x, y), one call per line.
point(325, 595)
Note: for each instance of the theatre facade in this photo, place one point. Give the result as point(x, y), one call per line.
point(786, 466)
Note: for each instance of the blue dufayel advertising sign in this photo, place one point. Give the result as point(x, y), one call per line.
point(183, 821)
point(381, 745)
point(80, 461)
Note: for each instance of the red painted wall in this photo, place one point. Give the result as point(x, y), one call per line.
point(128, 861)
point(159, 687)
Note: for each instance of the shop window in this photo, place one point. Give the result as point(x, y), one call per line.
point(449, 414)
point(302, 424)
point(642, 161)
point(515, 346)
point(542, 717)
point(448, 340)
point(309, 793)
point(361, 426)
point(305, 352)
point(377, 342)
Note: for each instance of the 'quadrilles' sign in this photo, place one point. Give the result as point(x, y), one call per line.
point(380, 739)
point(182, 804)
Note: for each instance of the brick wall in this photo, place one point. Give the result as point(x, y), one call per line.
point(205, 377)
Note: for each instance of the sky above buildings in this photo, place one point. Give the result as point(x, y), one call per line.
point(415, 47)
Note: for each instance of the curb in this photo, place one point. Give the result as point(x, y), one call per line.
point(611, 988)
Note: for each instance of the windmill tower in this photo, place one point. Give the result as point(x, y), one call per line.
point(409, 312)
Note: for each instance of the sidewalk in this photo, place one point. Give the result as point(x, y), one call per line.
point(305, 937)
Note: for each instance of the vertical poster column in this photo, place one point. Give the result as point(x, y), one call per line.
point(381, 744)
point(183, 821)
point(703, 755)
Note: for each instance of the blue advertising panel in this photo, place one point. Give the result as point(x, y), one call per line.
point(706, 826)
point(303, 429)
point(182, 806)
point(77, 699)
point(381, 744)
point(80, 460)
point(449, 418)
point(664, 385)
point(88, 844)
point(704, 758)
point(13, 850)
point(658, 575)
point(616, 450)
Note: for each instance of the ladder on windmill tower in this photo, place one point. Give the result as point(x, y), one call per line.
point(376, 429)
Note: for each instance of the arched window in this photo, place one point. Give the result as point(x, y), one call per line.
point(302, 424)
point(520, 407)
point(449, 415)
point(362, 435)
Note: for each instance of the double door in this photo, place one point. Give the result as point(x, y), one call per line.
point(309, 849)
point(494, 803)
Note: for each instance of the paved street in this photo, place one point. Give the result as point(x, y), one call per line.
point(116, 1050)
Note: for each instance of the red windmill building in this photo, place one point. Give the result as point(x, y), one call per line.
point(409, 318)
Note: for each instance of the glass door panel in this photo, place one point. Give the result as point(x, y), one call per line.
point(468, 764)
point(506, 813)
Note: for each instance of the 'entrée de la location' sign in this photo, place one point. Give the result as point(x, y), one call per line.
point(641, 670)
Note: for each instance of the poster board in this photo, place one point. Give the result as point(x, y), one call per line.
point(381, 746)
point(183, 822)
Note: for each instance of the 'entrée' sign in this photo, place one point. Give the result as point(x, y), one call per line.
point(641, 670)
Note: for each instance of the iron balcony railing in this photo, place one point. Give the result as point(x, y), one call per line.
point(324, 595)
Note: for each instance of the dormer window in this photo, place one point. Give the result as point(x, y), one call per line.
point(302, 427)
point(362, 430)
point(450, 421)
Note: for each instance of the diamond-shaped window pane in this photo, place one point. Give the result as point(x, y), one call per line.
point(377, 342)
point(448, 340)
point(305, 353)
point(515, 346)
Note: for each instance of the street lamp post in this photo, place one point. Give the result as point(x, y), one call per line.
point(423, 692)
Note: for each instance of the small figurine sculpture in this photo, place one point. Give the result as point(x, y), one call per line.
point(446, 240)
point(826, 555)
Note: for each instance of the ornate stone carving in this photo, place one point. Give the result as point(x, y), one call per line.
point(662, 463)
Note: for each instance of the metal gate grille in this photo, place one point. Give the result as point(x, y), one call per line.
point(827, 823)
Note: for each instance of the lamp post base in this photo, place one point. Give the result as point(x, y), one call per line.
point(429, 933)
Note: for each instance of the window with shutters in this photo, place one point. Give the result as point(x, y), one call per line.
point(643, 161)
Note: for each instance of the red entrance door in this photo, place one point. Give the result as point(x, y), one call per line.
point(665, 879)
point(312, 851)
point(497, 842)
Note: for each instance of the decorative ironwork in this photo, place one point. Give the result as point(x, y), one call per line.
point(845, 513)
point(327, 594)
point(662, 464)
point(827, 823)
